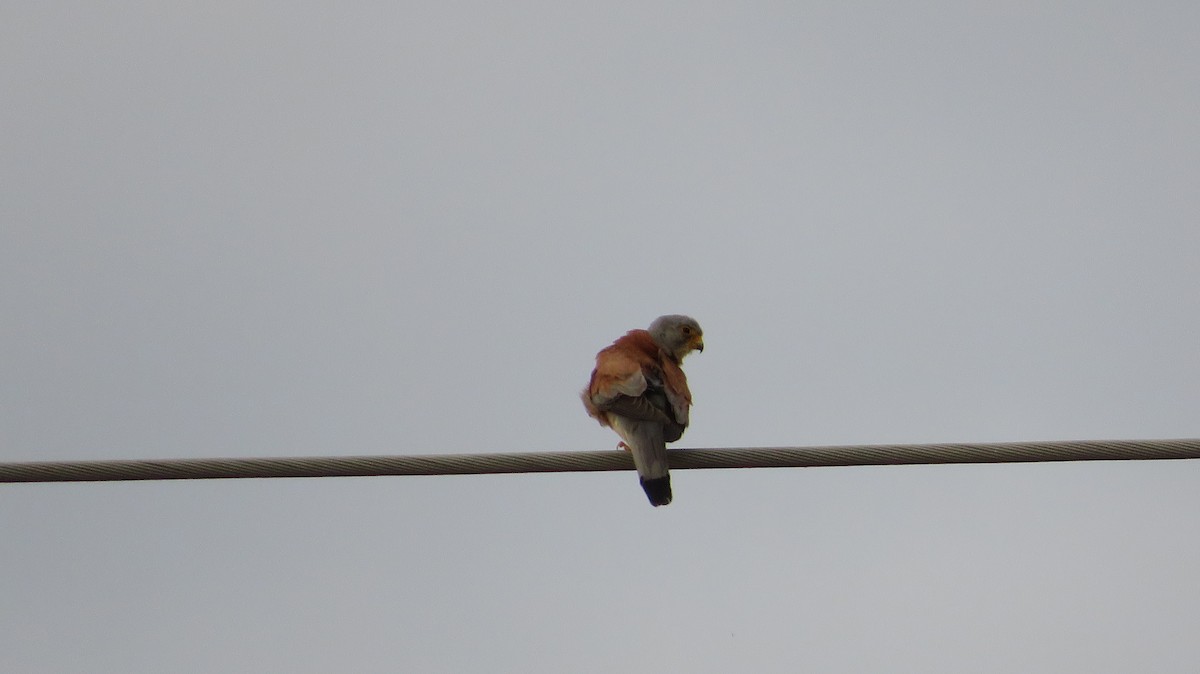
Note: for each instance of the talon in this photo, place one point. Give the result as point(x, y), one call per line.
point(622, 445)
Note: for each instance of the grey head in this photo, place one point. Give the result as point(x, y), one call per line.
point(677, 335)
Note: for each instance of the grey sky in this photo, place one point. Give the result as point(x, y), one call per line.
point(256, 229)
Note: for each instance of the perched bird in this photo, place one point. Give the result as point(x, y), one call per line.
point(639, 390)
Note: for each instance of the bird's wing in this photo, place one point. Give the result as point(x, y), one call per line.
point(633, 380)
point(675, 387)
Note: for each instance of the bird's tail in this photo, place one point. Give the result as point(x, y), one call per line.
point(649, 450)
point(658, 490)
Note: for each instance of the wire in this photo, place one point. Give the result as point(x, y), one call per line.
point(558, 462)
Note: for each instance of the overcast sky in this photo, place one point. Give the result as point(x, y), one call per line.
point(261, 229)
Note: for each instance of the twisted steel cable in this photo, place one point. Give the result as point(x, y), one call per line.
point(559, 462)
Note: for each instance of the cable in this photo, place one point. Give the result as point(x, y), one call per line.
point(558, 462)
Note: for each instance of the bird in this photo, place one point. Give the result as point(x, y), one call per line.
point(639, 390)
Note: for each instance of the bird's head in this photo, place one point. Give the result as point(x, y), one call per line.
point(677, 335)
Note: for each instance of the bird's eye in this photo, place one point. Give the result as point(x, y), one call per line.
point(687, 330)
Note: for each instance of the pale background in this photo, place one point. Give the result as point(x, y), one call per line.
point(263, 229)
